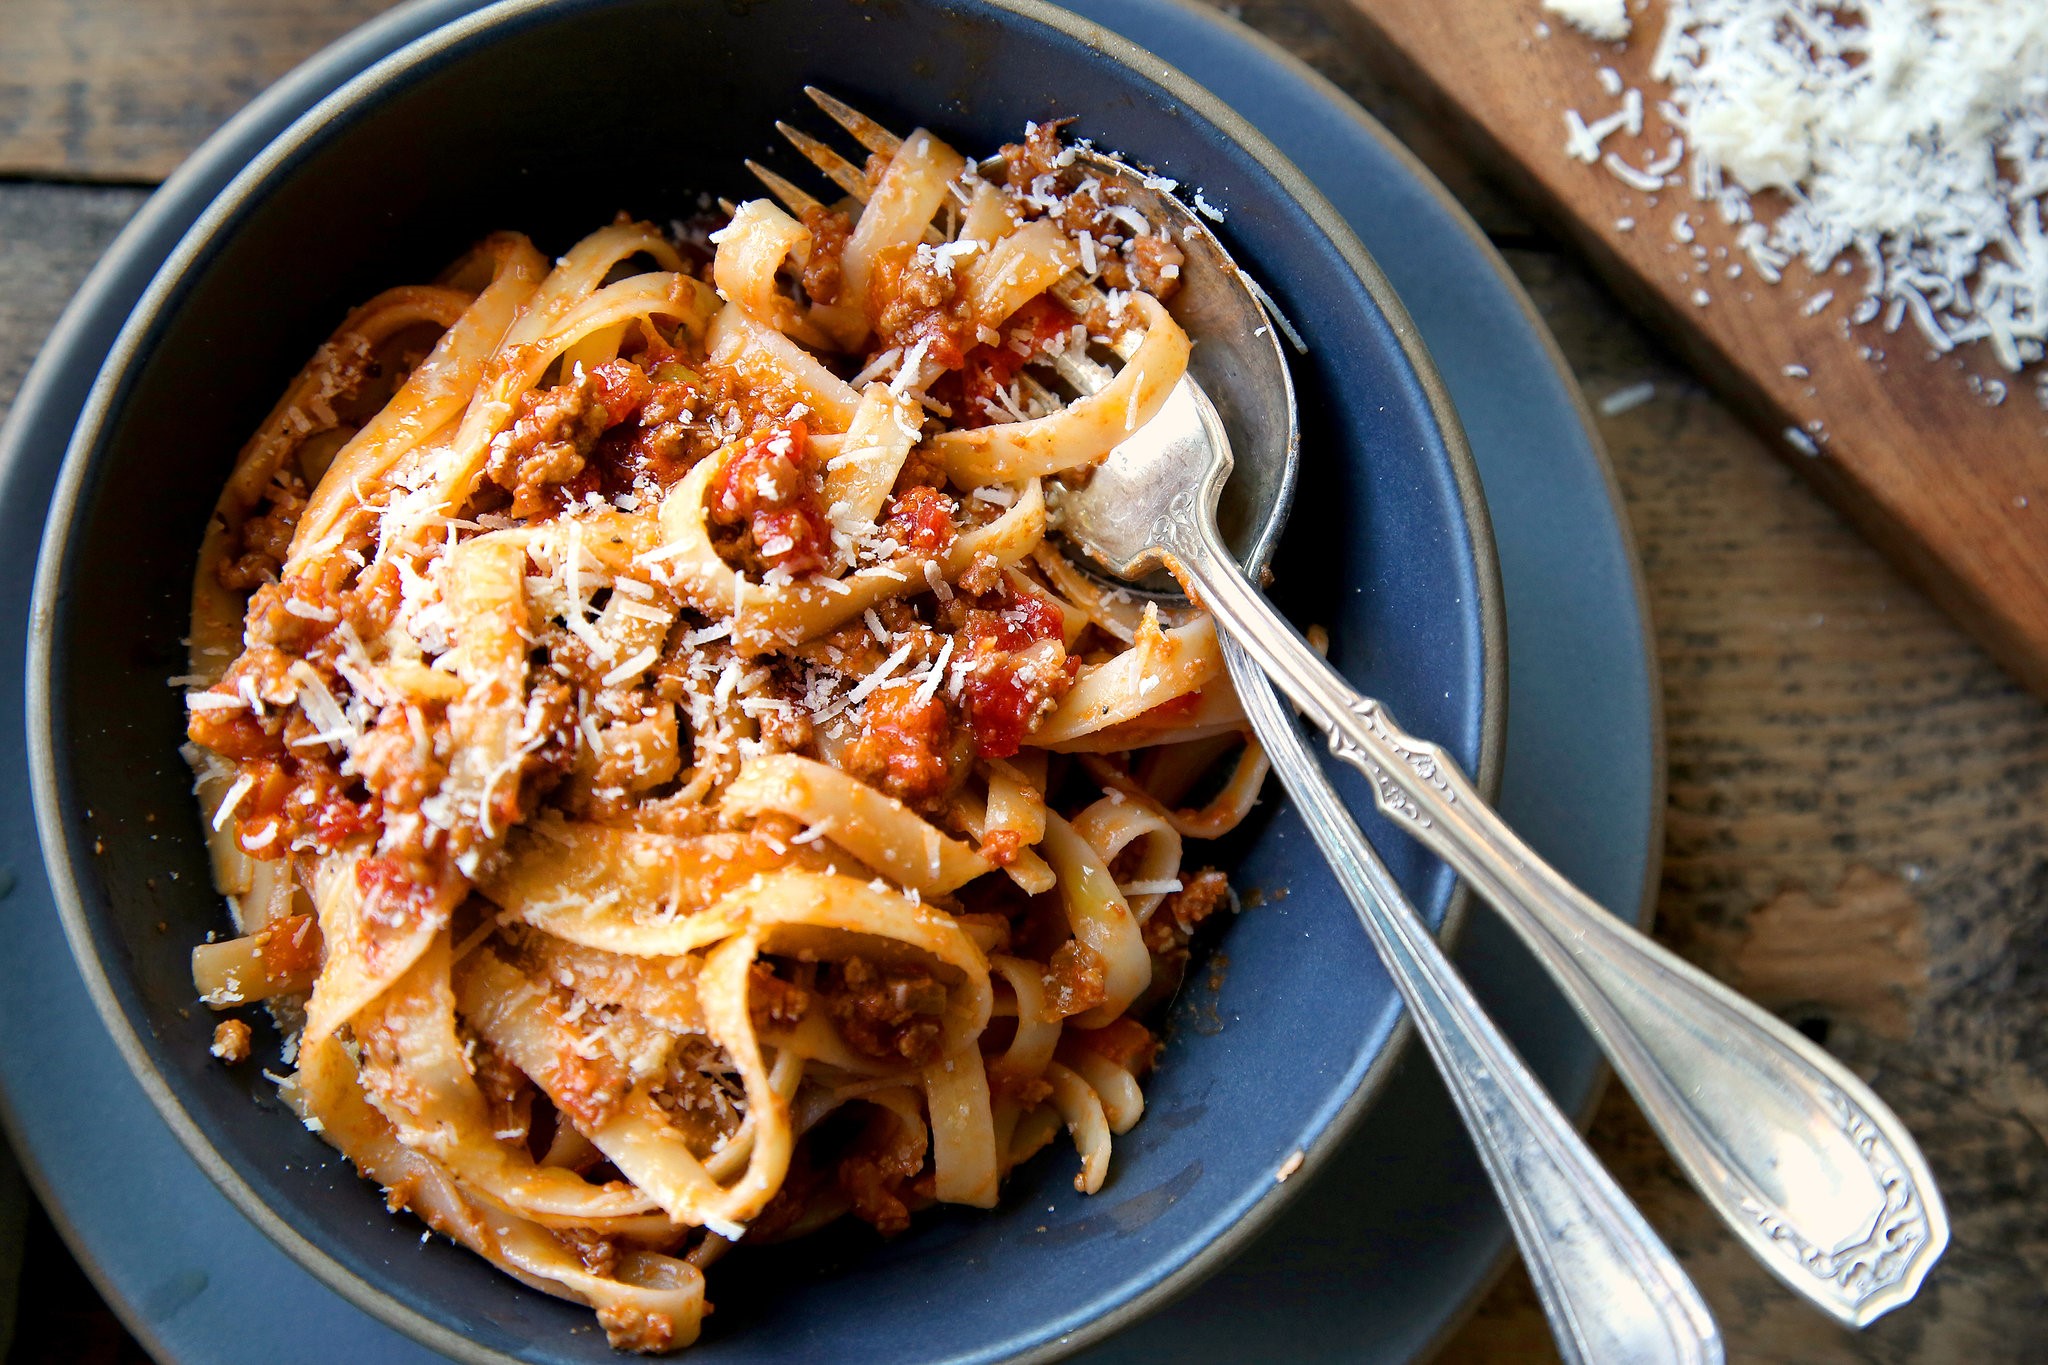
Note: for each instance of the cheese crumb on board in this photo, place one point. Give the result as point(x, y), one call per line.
point(1606, 20)
point(1627, 399)
point(1905, 140)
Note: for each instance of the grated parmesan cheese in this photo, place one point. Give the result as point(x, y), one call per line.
point(1606, 20)
point(1909, 137)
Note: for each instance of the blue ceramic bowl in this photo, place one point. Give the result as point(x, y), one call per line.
point(548, 117)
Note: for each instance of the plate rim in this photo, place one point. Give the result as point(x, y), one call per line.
point(395, 64)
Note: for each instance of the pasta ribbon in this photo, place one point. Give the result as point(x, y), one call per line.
point(1086, 429)
point(880, 831)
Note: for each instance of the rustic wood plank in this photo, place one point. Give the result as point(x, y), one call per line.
point(1854, 837)
point(1952, 488)
point(1322, 34)
point(115, 90)
point(50, 235)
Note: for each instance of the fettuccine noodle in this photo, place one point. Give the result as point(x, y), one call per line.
point(669, 790)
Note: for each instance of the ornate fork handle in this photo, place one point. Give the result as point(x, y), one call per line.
point(1812, 1170)
point(1610, 1287)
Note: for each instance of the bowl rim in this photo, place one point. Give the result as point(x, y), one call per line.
point(366, 84)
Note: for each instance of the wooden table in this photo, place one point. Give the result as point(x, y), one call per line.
point(1857, 833)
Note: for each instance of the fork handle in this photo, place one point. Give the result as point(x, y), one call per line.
point(1611, 1289)
point(1815, 1174)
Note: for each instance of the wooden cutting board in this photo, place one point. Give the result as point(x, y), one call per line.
point(1914, 450)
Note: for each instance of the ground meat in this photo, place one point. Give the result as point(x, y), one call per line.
point(771, 492)
point(786, 731)
point(1199, 897)
point(394, 765)
point(915, 299)
point(555, 430)
point(1155, 264)
point(1001, 846)
point(922, 468)
point(505, 1090)
point(1037, 155)
point(231, 1041)
point(873, 1173)
point(659, 443)
point(1128, 259)
point(823, 272)
point(888, 1013)
point(907, 747)
point(983, 576)
point(693, 1097)
point(628, 1327)
point(599, 1255)
point(260, 547)
point(855, 651)
point(1075, 980)
point(773, 1001)
point(292, 615)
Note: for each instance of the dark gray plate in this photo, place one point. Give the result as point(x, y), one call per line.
point(1418, 1242)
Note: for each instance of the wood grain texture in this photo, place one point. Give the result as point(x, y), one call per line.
point(1953, 488)
point(1855, 836)
point(50, 235)
point(1856, 831)
point(124, 89)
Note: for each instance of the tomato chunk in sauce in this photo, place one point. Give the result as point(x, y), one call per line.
point(1019, 670)
point(770, 490)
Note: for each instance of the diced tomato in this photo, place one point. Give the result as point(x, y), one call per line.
point(339, 819)
point(987, 370)
point(1022, 620)
point(619, 387)
point(1000, 708)
point(233, 734)
point(1041, 322)
point(290, 946)
point(769, 486)
point(391, 893)
point(1004, 698)
point(921, 519)
point(1182, 705)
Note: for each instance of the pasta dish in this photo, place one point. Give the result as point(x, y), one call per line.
point(669, 790)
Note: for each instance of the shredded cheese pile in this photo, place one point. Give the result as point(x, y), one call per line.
point(1908, 135)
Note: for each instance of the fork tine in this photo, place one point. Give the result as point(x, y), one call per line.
point(793, 199)
point(865, 130)
point(844, 173)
